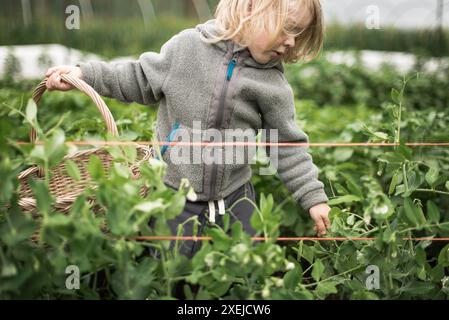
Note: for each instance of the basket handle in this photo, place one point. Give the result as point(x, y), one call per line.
point(88, 90)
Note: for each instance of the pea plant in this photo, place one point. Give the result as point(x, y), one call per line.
point(389, 211)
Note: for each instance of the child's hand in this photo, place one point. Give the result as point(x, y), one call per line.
point(319, 214)
point(54, 81)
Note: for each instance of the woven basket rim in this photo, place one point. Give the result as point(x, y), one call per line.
point(29, 203)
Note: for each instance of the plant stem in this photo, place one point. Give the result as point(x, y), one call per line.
point(398, 136)
point(433, 191)
point(404, 173)
point(334, 276)
point(258, 212)
point(332, 189)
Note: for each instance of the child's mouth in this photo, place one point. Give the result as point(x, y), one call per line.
point(276, 54)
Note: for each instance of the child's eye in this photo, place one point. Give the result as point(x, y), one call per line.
point(294, 30)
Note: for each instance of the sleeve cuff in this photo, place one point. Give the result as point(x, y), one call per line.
point(313, 198)
point(87, 73)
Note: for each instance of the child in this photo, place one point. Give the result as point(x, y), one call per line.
point(225, 74)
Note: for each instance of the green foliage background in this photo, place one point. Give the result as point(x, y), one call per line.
point(386, 193)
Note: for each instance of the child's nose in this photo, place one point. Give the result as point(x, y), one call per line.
point(290, 41)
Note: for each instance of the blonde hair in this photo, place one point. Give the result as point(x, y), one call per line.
point(235, 22)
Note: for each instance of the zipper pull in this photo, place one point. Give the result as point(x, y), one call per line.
point(231, 66)
point(170, 137)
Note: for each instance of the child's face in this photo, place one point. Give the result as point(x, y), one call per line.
point(263, 52)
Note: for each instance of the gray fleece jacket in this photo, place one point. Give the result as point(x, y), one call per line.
point(221, 86)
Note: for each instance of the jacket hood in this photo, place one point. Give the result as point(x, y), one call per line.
point(210, 29)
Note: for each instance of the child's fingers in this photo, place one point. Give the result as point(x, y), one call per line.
point(64, 86)
point(50, 82)
point(327, 222)
point(55, 82)
point(50, 71)
point(320, 226)
point(58, 70)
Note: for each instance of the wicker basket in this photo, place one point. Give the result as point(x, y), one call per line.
point(63, 188)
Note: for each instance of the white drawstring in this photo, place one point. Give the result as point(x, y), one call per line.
point(211, 211)
point(221, 209)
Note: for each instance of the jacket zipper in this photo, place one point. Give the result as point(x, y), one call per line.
point(170, 138)
point(231, 65)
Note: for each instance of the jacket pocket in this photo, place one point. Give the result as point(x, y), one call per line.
point(184, 160)
point(237, 168)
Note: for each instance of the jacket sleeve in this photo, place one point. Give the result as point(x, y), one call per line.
point(295, 165)
point(139, 81)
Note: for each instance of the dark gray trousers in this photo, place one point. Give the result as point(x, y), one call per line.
point(241, 210)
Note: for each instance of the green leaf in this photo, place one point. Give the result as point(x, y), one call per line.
point(420, 288)
point(256, 221)
point(413, 213)
point(420, 256)
point(134, 281)
point(393, 183)
point(392, 157)
point(343, 154)
point(122, 170)
point(130, 152)
point(432, 176)
point(433, 212)
point(349, 198)
point(389, 236)
point(395, 95)
point(447, 185)
point(237, 230)
point(415, 179)
point(443, 257)
point(149, 206)
point(308, 253)
point(8, 270)
point(31, 110)
point(221, 241)
point(219, 288)
point(364, 295)
point(405, 151)
point(293, 277)
point(95, 167)
point(381, 135)
point(226, 220)
point(350, 220)
point(421, 273)
point(335, 212)
point(20, 227)
point(324, 289)
point(442, 178)
point(117, 153)
point(353, 186)
point(72, 170)
point(37, 155)
point(188, 292)
point(266, 205)
point(55, 148)
point(43, 196)
point(400, 189)
point(317, 270)
point(176, 205)
point(437, 273)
